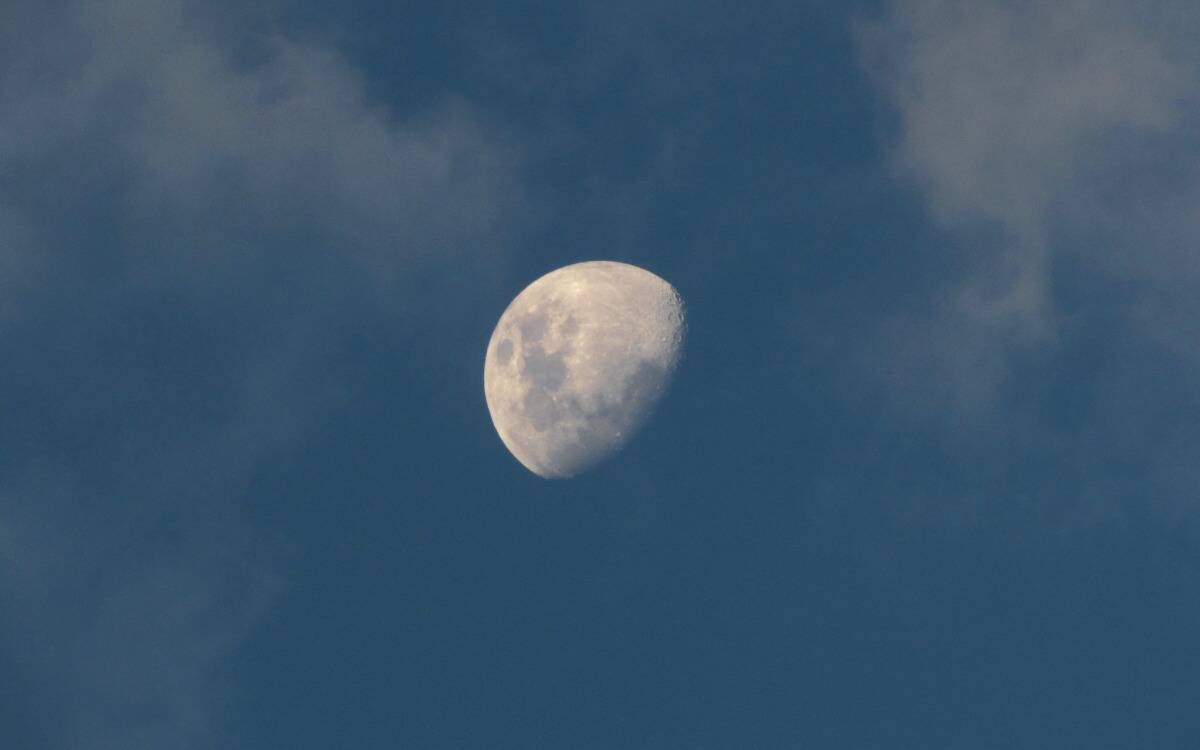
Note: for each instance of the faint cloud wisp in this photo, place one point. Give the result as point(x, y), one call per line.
point(1047, 140)
point(198, 228)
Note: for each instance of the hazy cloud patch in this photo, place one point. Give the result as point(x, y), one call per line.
point(1055, 144)
point(193, 219)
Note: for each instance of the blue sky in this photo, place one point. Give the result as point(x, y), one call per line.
point(926, 478)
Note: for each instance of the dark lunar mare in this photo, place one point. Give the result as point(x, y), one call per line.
point(638, 391)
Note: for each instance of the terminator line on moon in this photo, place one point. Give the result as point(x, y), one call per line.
point(578, 361)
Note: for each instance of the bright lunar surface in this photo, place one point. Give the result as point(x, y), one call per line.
point(578, 361)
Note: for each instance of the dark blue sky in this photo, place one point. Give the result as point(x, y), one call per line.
point(927, 477)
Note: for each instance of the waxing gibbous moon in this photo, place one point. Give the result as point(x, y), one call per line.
point(578, 361)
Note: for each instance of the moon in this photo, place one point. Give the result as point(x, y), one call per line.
point(578, 362)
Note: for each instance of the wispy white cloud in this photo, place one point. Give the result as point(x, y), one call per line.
point(154, 107)
point(162, 174)
point(1052, 142)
